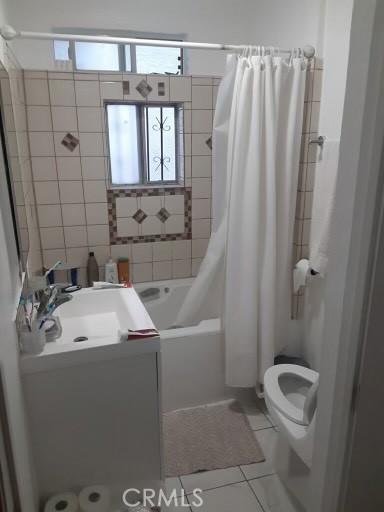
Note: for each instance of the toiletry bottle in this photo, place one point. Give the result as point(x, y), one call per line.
point(111, 272)
point(123, 270)
point(92, 269)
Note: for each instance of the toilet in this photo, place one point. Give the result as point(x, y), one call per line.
point(290, 393)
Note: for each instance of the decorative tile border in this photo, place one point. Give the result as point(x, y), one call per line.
point(113, 194)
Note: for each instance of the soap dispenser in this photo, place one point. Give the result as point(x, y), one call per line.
point(92, 269)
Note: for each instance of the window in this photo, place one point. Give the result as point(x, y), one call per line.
point(145, 144)
point(89, 56)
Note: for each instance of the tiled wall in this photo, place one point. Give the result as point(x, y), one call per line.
point(308, 159)
point(164, 232)
point(15, 122)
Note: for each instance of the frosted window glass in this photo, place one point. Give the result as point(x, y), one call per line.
point(92, 56)
point(61, 49)
point(161, 143)
point(157, 59)
point(123, 144)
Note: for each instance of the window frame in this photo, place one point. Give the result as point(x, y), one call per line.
point(142, 142)
point(122, 48)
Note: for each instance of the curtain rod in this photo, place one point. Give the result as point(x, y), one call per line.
point(10, 33)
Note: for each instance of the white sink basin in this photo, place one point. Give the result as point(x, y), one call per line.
point(100, 314)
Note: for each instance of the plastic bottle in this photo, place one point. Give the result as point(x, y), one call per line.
point(92, 269)
point(111, 272)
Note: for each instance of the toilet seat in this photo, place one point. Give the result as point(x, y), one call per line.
point(275, 394)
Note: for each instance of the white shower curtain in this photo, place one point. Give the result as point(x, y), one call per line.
point(245, 277)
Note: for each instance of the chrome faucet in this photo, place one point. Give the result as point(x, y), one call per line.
point(52, 297)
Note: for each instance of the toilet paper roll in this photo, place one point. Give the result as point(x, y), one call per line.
point(95, 498)
point(65, 502)
point(300, 274)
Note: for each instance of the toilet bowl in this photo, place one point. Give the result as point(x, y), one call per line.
point(290, 393)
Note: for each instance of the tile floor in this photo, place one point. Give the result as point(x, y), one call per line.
point(252, 488)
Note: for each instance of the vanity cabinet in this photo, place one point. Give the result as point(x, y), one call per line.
point(96, 418)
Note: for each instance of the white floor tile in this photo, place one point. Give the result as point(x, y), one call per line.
point(267, 439)
point(212, 479)
point(235, 497)
point(179, 506)
point(173, 484)
point(256, 417)
point(272, 494)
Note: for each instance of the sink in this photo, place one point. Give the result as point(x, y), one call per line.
point(94, 315)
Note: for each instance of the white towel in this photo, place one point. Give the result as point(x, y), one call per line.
point(323, 206)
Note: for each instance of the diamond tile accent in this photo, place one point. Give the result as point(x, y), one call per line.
point(139, 216)
point(144, 88)
point(209, 142)
point(163, 214)
point(70, 142)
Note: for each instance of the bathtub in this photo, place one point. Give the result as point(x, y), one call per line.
point(192, 358)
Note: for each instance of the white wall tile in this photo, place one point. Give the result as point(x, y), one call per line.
point(154, 81)
point(64, 119)
point(196, 262)
point(51, 256)
point(181, 249)
point(151, 226)
point(90, 119)
point(98, 235)
point(180, 88)
point(201, 188)
point(201, 228)
point(52, 238)
point(102, 254)
point(162, 270)
point(93, 167)
point(49, 215)
point(87, 93)
point(120, 251)
point(62, 150)
point(44, 168)
point(199, 144)
point(47, 192)
point(62, 93)
point(202, 166)
point(97, 213)
point(201, 208)
point(75, 236)
point(142, 253)
point(134, 81)
point(36, 92)
point(111, 91)
point(126, 226)
point(126, 206)
point(39, 119)
point(68, 168)
point(174, 224)
point(41, 144)
point(142, 272)
point(91, 144)
point(77, 256)
point(95, 191)
point(202, 97)
point(199, 247)
point(202, 121)
point(71, 192)
point(175, 204)
point(181, 268)
point(150, 205)
point(162, 251)
point(73, 214)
